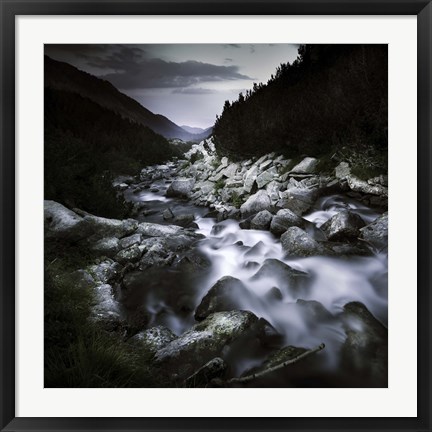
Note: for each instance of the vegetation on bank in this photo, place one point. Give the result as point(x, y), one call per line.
point(86, 145)
point(78, 352)
point(331, 96)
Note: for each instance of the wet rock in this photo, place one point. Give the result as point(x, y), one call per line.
point(362, 186)
point(153, 339)
point(217, 229)
point(282, 273)
point(283, 220)
point(296, 242)
point(203, 342)
point(256, 250)
point(224, 295)
point(343, 226)
point(256, 203)
point(131, 254)
point(103, 227)
point(215, 368)
point(167, 214)
point(181, 188)
point(261, 221)
point(129, 241)
point(106, 271)
point(307, 166)
point(273, 294)
point(376, 233)
point(366, 347)
point(62, 223)
point(193, 261)
point(246, 223)
point(184, 220)
point(314, 310)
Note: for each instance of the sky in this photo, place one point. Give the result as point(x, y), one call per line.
point(188, 83)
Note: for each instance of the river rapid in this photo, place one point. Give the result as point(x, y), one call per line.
point(171, 297)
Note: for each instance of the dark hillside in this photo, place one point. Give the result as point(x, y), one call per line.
point(332, 96)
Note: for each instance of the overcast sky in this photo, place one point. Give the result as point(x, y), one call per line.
point(188, 83)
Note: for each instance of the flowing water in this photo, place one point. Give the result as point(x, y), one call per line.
point(171, 297)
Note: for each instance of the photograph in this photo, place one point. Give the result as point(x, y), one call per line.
point(215, 215)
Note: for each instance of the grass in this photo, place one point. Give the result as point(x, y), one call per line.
point(79, 352)
point(220, 184)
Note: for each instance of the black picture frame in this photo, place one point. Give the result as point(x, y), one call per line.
point(11, 8)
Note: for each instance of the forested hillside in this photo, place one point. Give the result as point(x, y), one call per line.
point(332, 96)
point(86, 144)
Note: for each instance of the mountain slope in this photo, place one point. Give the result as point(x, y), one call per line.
point(63, 76)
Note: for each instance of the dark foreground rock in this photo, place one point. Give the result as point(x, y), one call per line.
point(296, 242)
point(227, 294)
point(366, 346)
point(213, 369)
point(343, 226)
point(376, 233)
point(203, 342)
point(153, 339)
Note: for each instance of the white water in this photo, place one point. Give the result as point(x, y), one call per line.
point(232, 251)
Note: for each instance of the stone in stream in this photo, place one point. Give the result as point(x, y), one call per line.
point(228, 293)
point(273, 294)
point(366, 346)
point(261, 221)
point(203, 342)
point(155, 230)
point(152, 339)
point(215, 368)
point(282, 273)
point(342, 226)
point(257, 250)
point(167, 214)
point(184, 220)
point(181, 188)
point(283, 220)
point(62, 223)
point(255, 203)
point(296, 242)
point(376, 233)
point(314, 310)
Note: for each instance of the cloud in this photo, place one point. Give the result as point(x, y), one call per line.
point(158, 73)
point(194, 91)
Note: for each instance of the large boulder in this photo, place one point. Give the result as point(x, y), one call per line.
point(376, 233)
point(366, 346)
point(225, 295)
point(64, 224)
point(261, 221)
point(363, 186)
point(283, 220)
point(203, 342)
point(129, 241)
point(129, 255)
point(296, 242)
point(342, 226)
point(181, 188)
point(250, 178)
point(256, 203)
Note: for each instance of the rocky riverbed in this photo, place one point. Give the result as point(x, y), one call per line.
point(230, 268)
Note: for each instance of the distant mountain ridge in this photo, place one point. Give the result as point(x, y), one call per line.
point(63, 76)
